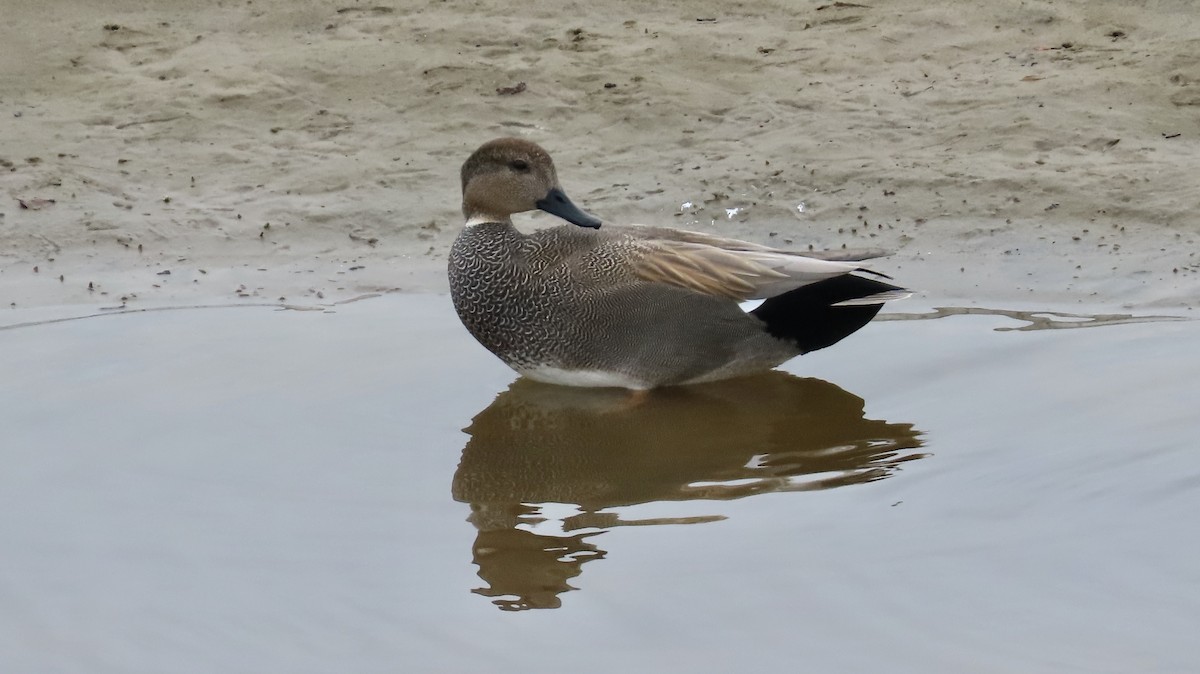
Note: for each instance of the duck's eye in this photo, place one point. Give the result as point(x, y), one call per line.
point(519, 165)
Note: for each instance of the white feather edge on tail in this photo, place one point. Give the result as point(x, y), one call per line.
point(877, 298)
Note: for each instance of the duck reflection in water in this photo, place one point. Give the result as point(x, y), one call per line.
point(544, 457)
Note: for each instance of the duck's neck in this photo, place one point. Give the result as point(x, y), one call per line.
point(483, 218)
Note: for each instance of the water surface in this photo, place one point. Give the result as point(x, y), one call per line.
point(249, 490)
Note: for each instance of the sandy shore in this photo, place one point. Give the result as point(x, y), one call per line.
point(309, 150)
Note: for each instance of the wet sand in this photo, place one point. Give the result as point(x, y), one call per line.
point(309, 150)
point(243, 489)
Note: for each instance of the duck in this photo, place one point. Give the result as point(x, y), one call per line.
point(593, 304)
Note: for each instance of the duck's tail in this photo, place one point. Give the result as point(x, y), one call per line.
point(821, 314)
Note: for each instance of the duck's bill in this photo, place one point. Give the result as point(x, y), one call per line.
point(556, 203)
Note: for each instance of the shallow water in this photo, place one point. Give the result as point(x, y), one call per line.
point(250, 490)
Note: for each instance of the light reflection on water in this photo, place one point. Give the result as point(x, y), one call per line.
point(602, 449)
point(1036, 320)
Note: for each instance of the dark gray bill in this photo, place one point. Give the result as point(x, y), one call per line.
point(556, 203)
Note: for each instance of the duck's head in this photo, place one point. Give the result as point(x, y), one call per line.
point(513, 175)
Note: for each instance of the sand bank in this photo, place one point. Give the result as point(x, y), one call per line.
point(250, 151)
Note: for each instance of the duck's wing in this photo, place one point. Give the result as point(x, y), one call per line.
point(688, 236)
point(722, 267)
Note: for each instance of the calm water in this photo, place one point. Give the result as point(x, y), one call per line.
point(251, 490)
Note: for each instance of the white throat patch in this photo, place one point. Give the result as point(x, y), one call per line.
point(482, 219)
